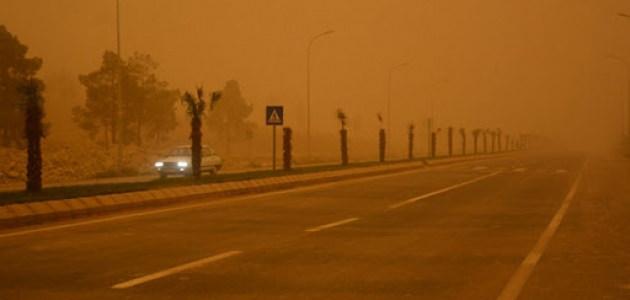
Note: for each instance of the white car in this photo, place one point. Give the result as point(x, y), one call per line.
point(179, 162)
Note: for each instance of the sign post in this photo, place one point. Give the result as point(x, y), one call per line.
point(274, 116)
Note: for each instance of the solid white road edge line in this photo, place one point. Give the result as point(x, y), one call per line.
point(330, 225)
point(441, 191)
point(513, 288)
point(229, 200)
point(175, 270)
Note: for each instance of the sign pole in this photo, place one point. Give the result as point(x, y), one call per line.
point(274, 117)
point(274, 148)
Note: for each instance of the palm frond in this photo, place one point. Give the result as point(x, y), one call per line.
point(342, 117)
point(216, 96)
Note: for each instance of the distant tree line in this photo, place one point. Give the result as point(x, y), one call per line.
point(146, 103)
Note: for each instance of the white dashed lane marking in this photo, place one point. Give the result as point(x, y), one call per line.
point(175, 270)
point(331, 225)
point(441, 191)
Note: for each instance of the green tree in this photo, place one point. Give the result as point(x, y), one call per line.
point(15, 70)
point(228, 122)
point(99, 113)
point(148, 106)
point(149, 103)
point(33, 108)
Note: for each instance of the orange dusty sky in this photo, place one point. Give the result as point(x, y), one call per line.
point(524, 65)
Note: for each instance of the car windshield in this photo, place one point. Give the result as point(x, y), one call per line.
point(180, 152)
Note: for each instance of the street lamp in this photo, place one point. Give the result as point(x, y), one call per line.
point(119, 92)
point(626, 113)
point(308, 88)
point(389, 102)
point(626, 106)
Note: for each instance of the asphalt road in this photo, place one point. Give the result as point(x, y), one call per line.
point(537, 226)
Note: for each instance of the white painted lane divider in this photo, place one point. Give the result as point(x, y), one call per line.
point(561, 171)
point(519, 170)
point(441, 191)
point(175, 270)
point(480, 168)
point(513, 288)
point(331, 225)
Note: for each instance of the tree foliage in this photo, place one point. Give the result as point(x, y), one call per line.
point(148, 104)
point(15, 70)
point(228, 120)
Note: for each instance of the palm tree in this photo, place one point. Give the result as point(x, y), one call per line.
point(286, 148)
point(450, 141)
point(476, 134)
point(195, 106)
point(499, 139)
point(411, 128)
point(342, 117)
point(507, 142)
point(434, 135)
point(485, 140)
point(462, 132)
point(382, 142)
point(31, 90)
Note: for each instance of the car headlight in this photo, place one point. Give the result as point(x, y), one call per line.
point(182, 164)
point(159, 164)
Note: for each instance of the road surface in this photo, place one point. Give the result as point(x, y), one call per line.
point(536, 226)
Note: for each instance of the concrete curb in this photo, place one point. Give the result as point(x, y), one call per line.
point(14, 215)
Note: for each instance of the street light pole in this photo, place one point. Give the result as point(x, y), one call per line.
point(389, 103)
point(626, 104)
point(119, 92)
point(308, 88)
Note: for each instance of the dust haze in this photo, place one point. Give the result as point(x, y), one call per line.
point(527, 67)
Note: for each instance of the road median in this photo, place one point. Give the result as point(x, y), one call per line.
point(35, 212)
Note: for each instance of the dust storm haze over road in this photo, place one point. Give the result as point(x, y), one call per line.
point(525, 66)
point(138, 160)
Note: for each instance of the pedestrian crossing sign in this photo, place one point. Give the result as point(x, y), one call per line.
point(274, 115)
